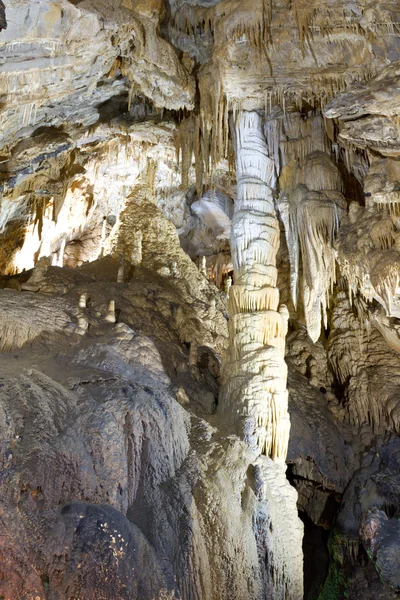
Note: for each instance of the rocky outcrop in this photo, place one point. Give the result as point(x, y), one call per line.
point(51, 75)
point(108, 468)
point(369, 516)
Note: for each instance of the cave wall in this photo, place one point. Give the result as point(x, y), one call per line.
point(152, 154)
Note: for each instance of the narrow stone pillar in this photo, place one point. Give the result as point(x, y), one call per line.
point(228, 285)
point(110, 316)
point(254, 389)
point(203, 266)
point(102, 237)
point(83, 298)
point(60, 262)
point(121, 269)
point(137, 252)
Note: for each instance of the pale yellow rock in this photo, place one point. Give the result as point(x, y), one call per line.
point(110, 316)
point(256, 398)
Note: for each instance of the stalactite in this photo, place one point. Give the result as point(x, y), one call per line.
point(373, 271)
point(311, 210)
point(218, 267)
point(186, 146)
point(304, 18)
point(214, 122)
point(385, 278)
point(255, 374)
point(223, 25)
point(204, 137)
point(191, 21)
point(358, 355)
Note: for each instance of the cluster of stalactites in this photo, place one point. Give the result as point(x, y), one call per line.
point(205, 137)
point(223, 24)
point(252, 19)
point(255, 373)
point(311, 206)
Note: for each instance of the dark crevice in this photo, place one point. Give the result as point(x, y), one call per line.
point(316, 557)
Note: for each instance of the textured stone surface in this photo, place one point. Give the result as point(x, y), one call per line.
point(121, 166)
point(370, 510)
point(106, 473)
point(50, 74)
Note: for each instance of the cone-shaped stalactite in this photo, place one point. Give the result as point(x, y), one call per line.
point(254, 390)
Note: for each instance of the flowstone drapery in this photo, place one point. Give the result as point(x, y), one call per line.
point(254, 389)
point(311, 205)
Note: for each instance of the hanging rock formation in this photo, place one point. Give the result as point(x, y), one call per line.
point(311, 213)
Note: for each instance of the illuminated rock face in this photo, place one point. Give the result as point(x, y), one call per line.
point(254, 394)
point(50, 74)
point(109, 445)
point(311, 207)
point(116, 211)
point(255, 373)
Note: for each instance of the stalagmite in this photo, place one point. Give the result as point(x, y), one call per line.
point(203, 266)
point(121, 270)
point(83, 300)
point(228, 285)
point(83, 325)
point(254, 390)
point(110, 316)
point(60, 262)
point(103, 237)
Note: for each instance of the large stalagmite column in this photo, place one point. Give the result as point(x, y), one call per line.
point(254, 390)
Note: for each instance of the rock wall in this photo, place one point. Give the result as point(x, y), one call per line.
point(120, 482)
point(152, 154)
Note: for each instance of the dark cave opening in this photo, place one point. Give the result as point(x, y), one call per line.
point(316, 557)
point(315, 539)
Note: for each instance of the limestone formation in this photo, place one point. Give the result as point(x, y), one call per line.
point(137, 252)
point(203, 266)
point(83, 300)
point(121, 270)
point(82, 325)
point(110, 316)
point(255, 376)
point(228, 285)
point(199, 236)
point(311, 207)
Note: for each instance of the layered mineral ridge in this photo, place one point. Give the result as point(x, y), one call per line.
point(199, 299)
